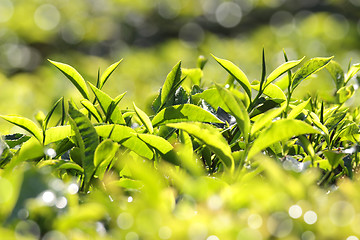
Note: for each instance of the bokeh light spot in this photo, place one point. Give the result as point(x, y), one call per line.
point(73, 188)
point(47, 17)
point(310, 217)
point(54, 235)
point(342, 213)
point(27, 229)
point(132, 236)
point(352, 238)
point(308, 235)
point(48, 197)
point(279, 225)
point(214, 202)
point(212, 237)
point(165, 232)
point(295, 211)
point(61, 202)
point(125, 220)
point(228, 14)
point(255, 221)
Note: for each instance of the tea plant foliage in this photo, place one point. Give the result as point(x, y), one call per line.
point(201, 150)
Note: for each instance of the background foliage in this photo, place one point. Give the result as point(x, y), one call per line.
point(95, 165)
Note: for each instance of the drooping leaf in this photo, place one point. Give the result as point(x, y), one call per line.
point(26, 124)
point(73, 76)
point(352, 71)
point(298, 109)
point(172, 82)
point(144, 118)
point(126, 136)
point(158, 143)
point(310, 67)
point(92, 109)
point(104, 155)
point(282, 69)
point(87, 139)
point(336, 73)
point(272, 90)
point(237, 73)
point(183, 113)
point(211, 137)
point(280, 130)
point(237, 109)
point(105, 102)
point(105, 76)
point(13, 140)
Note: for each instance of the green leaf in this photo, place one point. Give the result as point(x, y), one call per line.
point(266, 118)
point(278, 131)
point(48, 116)
point(144, 119)
point(211, 137)
point(87, 139)
point(212, 97)
point(183, 113)
point(333, 157)
point(58, 133)
point(282, 69)
point(107, 73)
point(113, 106)
point(105, 102)
point(237, 109)
point(237, 73)
point(310, 67)
point(298, 109)
point(30, 150)
point(104, 155)
point(26, 124)
point(271, 90)
point(126, 136)
point(73, 76)
point(336, 73)
point(159, 143)
point(13, 140)
point(172, 82)
point(92, 109)
point(345, 93)
point(352, 71)
point(70, 166)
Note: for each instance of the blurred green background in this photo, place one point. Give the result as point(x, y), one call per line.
point(152, 36)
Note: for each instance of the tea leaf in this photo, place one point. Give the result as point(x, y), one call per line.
point(172, 82)
point(211, 137)
point(103, 156)
point(87, 139)
point(333, 157)
point(48, 116)
point(73, 76)
point(126, 136)
point(237, 109)
point(237, 73)
point(282, 69)
point(58, 133)
point(336, 73)
point(183, 113)
point(352, 71)
point(271, 90)
point(105, 102)
point(266, 118)
point(92, 109)
point(345, 93)
point(104, 77)
point(278, 131)
point(298, 109)
point(212, 97)
point(144, 119)
point(159, 143)
point(26, 124)
point(310, 67)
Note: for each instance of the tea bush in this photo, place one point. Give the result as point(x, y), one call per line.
point(237, 160)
